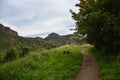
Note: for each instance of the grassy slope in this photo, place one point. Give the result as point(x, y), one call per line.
point(46, 65)
point(109, 65)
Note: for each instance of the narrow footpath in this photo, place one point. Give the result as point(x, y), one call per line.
point(89, 68)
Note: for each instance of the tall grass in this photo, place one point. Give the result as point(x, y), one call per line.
point(109, 65)
point(46, 65)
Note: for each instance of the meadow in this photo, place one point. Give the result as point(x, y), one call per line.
point(61, 63)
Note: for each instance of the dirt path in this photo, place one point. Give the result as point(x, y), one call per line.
point(89, 68)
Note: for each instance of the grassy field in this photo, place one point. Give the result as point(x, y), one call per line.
point(109, 65)
point(61, 63)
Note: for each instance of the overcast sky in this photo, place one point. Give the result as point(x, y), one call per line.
point(38, 17)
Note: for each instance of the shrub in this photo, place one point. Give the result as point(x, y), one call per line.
point(69, 43)
point(24, 51)
point(10, 55)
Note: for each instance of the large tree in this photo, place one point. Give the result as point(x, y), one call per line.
point(100, 20)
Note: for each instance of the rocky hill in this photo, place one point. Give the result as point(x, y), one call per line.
point(64, 39)
point(10, 39)
point(8, 30)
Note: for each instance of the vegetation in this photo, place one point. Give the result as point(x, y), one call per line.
point(109, 65)
point(19, 45)
point(10, 55)
point(64, 39)
point(24, 51)
point(8, 41)
point(100, 21)
point(46, 65)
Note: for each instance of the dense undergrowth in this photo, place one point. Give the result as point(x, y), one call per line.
point(109, 64)
point(61, 63)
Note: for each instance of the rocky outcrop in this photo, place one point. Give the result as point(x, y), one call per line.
point(7, 30)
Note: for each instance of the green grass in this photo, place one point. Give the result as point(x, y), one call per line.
point(109, 65)
point(46, 65)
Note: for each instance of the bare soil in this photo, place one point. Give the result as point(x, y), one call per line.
point(89, 68)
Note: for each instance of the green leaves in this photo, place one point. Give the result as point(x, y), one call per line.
point(10, 55)
point(99, 19)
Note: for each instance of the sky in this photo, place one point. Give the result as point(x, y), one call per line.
point(38, 17)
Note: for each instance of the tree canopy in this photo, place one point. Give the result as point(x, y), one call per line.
point(100, 20)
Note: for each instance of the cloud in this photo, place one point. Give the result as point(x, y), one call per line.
point(37, 16)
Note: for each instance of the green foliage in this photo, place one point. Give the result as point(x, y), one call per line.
point(2, 59)
point(69, 43)
point(117, 64)
point(44, 65)
point(109, 65)
point(10, 55)
point(24, 51)
point(3, 39)
point(100, 20)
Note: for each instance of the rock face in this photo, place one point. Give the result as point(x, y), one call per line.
point(62, 40)
point(8, 30)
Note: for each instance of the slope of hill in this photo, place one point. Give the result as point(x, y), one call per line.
point(47, 65)
point(10, 39)
point(64, 39)
point(7, 30)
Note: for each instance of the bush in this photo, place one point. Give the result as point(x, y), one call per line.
point(24, 51)
point(69, 43)
point(10, 55)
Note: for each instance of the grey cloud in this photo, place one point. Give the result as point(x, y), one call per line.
point(26, 14)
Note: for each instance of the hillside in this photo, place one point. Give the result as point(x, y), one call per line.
point(46, 65)
point(7, 30)
point(64, 39)
point(10, 39)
